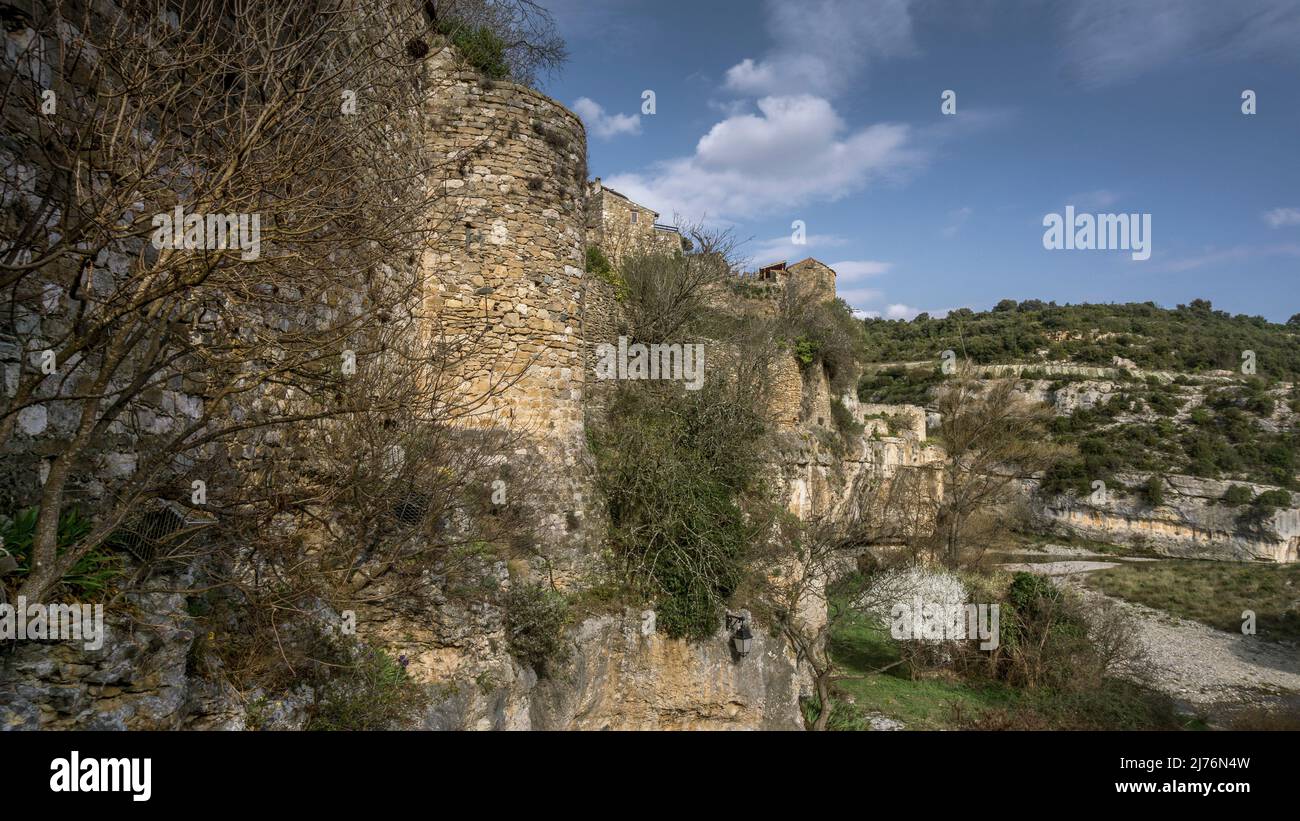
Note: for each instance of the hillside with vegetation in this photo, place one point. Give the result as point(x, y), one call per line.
point(1189, 339)
point(1198, 415)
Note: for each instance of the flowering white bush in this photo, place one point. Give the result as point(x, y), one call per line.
point(902, 596)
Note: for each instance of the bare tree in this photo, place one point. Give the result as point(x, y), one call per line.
point(283, 141)
point(816, 579)
point(993, 438)
point(668, 290)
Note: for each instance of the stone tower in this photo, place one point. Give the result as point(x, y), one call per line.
point(507, 271)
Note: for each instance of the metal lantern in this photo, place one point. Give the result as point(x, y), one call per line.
point(743, 639)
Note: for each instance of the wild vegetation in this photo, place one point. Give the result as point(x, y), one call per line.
point(1216, 429)
point(1214, 593)
point(1189, 338)
point(682, 471)
point(878, 685)
point(313, 342)
point(1228, 435)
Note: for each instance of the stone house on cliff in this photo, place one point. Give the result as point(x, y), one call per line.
point(619, 225)
point(811, 274)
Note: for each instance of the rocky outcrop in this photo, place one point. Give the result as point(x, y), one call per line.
point(820, 467)
point(1193, 522)
point(1050, 369)
point(623, 676)
point(137, 678)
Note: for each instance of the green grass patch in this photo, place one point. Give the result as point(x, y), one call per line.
point(1213, 593)
point(861, 646)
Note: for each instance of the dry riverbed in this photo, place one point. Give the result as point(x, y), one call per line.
point(1210, 671)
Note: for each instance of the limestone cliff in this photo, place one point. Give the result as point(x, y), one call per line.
point(1192, 522)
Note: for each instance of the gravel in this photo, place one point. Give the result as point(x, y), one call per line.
point(1190, 661)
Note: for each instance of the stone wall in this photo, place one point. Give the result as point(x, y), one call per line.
point(603, 322)
point(40, 309)
point(508, 267)
point(787, 394)
point(508, 274)
point(813, 277)
point(508, 259)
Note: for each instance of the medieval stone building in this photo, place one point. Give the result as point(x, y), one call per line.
point(814, 278)
point(619, 225)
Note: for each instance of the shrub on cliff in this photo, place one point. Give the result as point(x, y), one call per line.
point(668, 292)
point(1271, 499)
point(501, 38)
point(599, 266)
point(677, 468)
point(824, 333)
point(681, 470)
point(481, 48)
point(535, 621)
point(1237, 495)
point(1154, 491)
point(845, 422)
point(370, 692)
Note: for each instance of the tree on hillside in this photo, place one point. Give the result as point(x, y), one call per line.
point(507, 38)
point(993, 438)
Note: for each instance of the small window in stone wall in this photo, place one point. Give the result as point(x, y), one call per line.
point(634, 216)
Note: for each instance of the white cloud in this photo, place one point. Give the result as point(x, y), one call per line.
point(731, 108)
point(822, 45)
point(1235, 254)
point(1110, 41)
point(901, 311)
point(794, 151)
point(858, 296)
point(850, 280)
point(602, 124)
point(956, 219)
point(1279, 217)
point(852, 269)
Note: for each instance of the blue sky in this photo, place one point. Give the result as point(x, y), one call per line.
point(828, 111)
